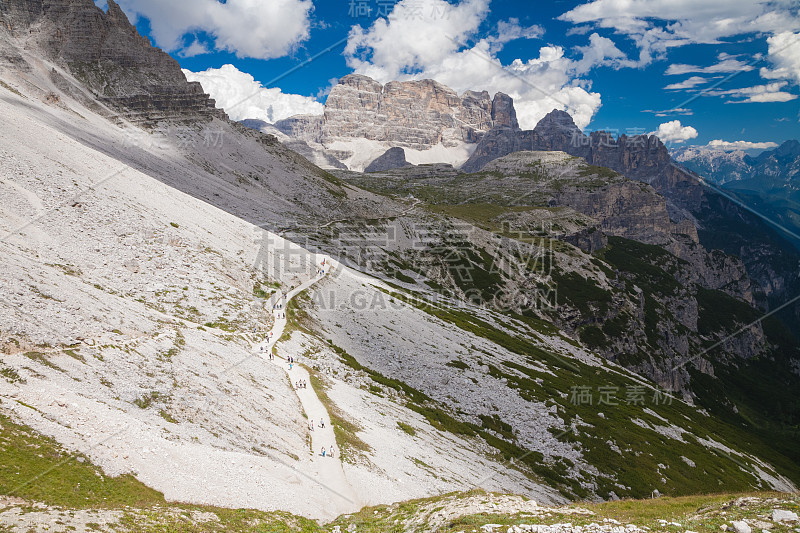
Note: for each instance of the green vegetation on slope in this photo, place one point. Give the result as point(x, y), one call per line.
point(35, 467)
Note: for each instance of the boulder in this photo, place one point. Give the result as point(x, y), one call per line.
point(393, 158)
point(741, 527)
point(781, 515)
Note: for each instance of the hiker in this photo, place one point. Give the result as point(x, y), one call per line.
point(323, 451)
point(312, 425)
point(331, 452)
point(290, 366)
point(321, 423)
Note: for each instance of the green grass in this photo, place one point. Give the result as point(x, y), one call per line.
point(643, 449)
point(719, 312)
point(37, 468)
point(483, 215)
point(41, 358)
point(345, 431)
point(11, 375)
point(581, 292)
point(407, 428)
point(146, 400)
point(10, 88)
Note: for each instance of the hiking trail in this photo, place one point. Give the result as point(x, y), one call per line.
point(327, 471)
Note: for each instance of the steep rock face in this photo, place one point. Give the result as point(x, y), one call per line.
point(408, 114)
point(412, 114)
point(106, 53)
point(637, 156)
point(302, 127)
point(392, 158)
point(503, 112)
point(557, 131)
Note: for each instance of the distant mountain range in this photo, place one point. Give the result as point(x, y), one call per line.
point(773, 167)
point(768, 183)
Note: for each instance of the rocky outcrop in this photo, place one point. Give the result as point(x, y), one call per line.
point(624, 207)
point(408, 114)
point(392, 158)
point(503, 113)
point(719, 222)
point(320, 157)
point(411, 114)
point(302, 127)
point(639, 156)
point(107, 55)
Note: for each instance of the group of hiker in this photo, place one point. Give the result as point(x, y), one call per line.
point(321, 270)
point(301, 383)
point(278, 306)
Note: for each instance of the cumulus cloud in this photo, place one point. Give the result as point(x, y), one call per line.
point(674, 131)
point(688, 83)
point(247, 28)
point(656, 26)
point(729, 146)
point(784, 53)
point(241, 96)
point(427, 39)
point(601, 51)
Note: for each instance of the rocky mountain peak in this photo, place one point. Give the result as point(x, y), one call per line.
point(360, 82)
point(116, 14)
point(416, 115)
point(556, 119)
point(105, 53)
point(503, 112)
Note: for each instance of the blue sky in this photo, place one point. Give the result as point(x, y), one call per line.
point(607, 62)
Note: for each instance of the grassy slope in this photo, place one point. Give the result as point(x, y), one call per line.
point(36, 468)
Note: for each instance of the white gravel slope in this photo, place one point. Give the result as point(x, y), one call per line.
point(136, 295)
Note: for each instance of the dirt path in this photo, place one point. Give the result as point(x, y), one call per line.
point(325, 469)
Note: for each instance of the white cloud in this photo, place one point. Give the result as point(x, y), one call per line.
point(657, 25)
point(674, 131)
point(510, 30)
point(247, 28)
point(726, 64)
point(601, 51)
point(688, 83)
point(195, 49)
point(770, 92)
point(241, 96)
point(425, 39)
point(740, 145)
point(784, 53)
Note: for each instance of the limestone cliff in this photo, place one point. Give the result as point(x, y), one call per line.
point(106, 54)
point(408, 114)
